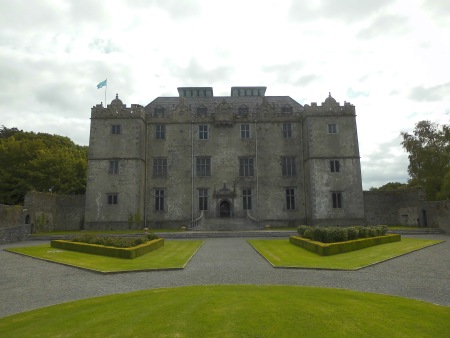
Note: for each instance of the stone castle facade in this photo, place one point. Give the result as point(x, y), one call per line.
point(198, 158)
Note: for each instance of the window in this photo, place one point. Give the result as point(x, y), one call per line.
point(203, 166)
point(159, 167)
point(160, 131)
point(247, 199)
point(287, 130)
point(159, 195)
point(113, 167)
point(202, 111)
point(245, 131)
point(243, 110)
point(203, 199)
point(286, 109)
point(288, 166)
point(290, 198)
point(332, 128)
point(337, 200)
point(334, 166)
point(159, 111)
point(246, 166)
point(203, 132)
point(112, 199)
point(115, 129)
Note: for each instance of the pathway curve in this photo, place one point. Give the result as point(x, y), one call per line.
point(27, 283)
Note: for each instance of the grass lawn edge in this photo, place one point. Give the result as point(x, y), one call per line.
point(339, 269)
point(107, 272)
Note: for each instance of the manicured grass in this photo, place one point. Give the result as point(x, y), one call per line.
point(173, 255)
point(234, 311)
point(280, 253)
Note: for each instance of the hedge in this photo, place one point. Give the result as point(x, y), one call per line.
point(96, 249)
point(328, 249)
point(332, 234)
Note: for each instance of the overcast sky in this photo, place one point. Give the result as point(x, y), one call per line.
point(390, 58)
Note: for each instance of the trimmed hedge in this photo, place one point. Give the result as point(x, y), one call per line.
point(334, 234)
point(97, 249)
point(328, 249)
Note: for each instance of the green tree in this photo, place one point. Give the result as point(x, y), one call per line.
point(428, 150)
point(391, 186)
point(40, 162)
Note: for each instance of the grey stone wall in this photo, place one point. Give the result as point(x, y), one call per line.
point(401, 207)
point(437, 214)
point(15, 233)
point(51, 212)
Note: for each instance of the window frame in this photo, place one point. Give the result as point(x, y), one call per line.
point(246, 167)
point(159, 167)
point(245, 131)
point(288, 166)
point(159, 199)
point(160, 131)
point(116, 129)
point(337, 199)
point(203, 132)
point(286, 130)
point(112, 198)
point(202, 199)
point(113, 168)
point(335, 166)
point(247, 199)
point(203, 166)
point(290, 195)
point(333, 128)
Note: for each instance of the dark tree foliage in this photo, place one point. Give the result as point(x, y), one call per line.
point(41, 162)
point(429, 158)
point(391, 186)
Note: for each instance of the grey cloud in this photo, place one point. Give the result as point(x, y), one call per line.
point(306, 79)
point(290, 73)
point(348, 10)
point(439, 10)
point(351, 93)
point(384, 25)
point(104, 46)
point(175, 8)
point(436, 93)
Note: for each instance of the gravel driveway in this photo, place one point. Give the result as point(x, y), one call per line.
point(27, 283)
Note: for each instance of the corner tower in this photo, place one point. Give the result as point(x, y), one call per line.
point(116, 167)
point(332, 164)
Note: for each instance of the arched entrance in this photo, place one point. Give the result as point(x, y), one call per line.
point(225, 209)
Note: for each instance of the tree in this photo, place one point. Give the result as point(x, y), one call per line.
point(429, 158)
point(391, 186)
point(40, 162)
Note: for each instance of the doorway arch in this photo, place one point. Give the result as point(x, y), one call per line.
point(225, 209)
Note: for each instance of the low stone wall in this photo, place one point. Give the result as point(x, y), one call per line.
point(437, 214)
point(51, 212)
point(15, 233)
point(400, 207)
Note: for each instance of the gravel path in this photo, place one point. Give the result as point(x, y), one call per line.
point(27, 283)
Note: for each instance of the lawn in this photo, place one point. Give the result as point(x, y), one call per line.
point(173, 255)
point(234, 311)
point(282, 254)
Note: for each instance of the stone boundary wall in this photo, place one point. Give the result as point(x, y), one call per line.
point(15, 233)
point(51, 212)
point(400, 207)
point(11, 215)
point(438, 214)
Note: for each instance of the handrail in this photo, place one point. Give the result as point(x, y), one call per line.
point(252, 219)
point(197, 221)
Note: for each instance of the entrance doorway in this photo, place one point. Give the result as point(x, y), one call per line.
point(225, 209)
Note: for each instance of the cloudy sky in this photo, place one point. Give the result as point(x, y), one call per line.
point(390, 58)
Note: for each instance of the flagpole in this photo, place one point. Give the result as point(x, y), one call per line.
point(106, 87)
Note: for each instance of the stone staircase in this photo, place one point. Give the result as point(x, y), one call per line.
point(226, 224)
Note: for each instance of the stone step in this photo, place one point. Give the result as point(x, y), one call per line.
point(225, 224)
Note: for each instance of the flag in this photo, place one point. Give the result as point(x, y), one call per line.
point(101, 84)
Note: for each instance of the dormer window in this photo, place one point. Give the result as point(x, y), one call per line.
point(159, 111)
point(202, 111)
point(243, 110)
point(286, 109)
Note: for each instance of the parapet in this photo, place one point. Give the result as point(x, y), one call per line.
point(117, 110)
point(330, 105)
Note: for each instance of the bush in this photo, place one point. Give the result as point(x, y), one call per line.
point(114, 241)
point(352, 233)
point(340, 234)
point(301, 229)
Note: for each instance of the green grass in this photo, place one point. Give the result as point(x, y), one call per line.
point(173, 255)
point(234, 311)
point(280, 253)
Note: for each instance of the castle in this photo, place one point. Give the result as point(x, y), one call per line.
point(199, 159)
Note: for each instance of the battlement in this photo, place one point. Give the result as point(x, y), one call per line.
point(117, 110)
point(329, 106)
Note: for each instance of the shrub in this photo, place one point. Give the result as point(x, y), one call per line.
point(301, 229)
point(114, 241)
point(352, 233)
point(363, 233)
